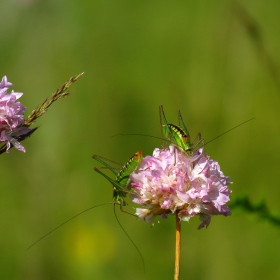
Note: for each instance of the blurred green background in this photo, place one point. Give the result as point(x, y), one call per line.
point(216, 61)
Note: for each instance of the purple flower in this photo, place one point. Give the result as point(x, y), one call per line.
point(11, 116)
point(169, 182)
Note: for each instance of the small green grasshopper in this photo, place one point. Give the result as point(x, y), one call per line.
point(121, 183)
point(179, 135)
point(121, 186)
point(120, 189)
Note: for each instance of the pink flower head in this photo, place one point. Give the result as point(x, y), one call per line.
point(169, 182)
point(11, 116)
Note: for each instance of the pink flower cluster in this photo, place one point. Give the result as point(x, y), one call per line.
point(169, 182)
point(11, 116)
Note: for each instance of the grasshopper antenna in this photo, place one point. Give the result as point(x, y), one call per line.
point(160, 138)
point(67, 222)
point(136, 134)
point(139, 134)
point(129, 238)
point(228, 131)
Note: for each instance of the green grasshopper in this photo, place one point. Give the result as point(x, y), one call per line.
point(121, 186)
point(179, 135)
point(120, 189)
point(121, 182)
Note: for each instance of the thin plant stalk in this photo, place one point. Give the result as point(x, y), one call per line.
point(177, 248)
point(59, 93)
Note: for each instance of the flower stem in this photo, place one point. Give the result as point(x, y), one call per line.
point(177, 248)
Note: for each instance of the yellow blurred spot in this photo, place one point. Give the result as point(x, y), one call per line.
point(86, 244)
